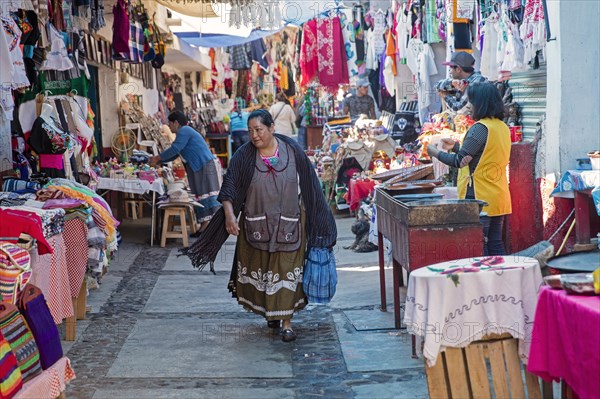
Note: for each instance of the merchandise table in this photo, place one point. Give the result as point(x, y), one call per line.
point(50, 384)
point(581, 185)
point(452, 304)
point(135, 186)
point(424, 233)
point(566, 341)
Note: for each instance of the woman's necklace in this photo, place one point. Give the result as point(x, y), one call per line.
point(270, 160)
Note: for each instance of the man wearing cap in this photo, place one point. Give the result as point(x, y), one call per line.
point(463, 74)
point(361, 102)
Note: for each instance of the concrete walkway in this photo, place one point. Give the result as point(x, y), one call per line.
point(160, 329)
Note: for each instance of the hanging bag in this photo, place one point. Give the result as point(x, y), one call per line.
point(16, 331)
point(34, 308)
point(320, 276)
point(15, 271)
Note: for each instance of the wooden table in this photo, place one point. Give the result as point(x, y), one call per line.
point(422, 235)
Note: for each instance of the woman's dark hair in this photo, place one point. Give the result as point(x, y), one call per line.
point(265, 117)
point(282, 97)
point(486, 101)
point(179, 117)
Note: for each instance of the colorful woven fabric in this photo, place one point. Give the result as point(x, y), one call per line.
point(10, 373)
point(15, 271)
point(17, 333)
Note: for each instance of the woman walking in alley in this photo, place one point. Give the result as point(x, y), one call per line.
point(483, 158)
point(271, 182)
point(284, 116)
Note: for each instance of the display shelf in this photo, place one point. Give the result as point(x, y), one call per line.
point(222, 145)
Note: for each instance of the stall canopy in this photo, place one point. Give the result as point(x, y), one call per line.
point(193, 8)
point(198, 39)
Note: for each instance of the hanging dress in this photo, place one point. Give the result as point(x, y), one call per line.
point(333, 66)
point(13, 39)
point(308, 53)
point(58, 58)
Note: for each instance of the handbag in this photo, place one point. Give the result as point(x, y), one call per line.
point(11, 381)
point(15, 271)
point(16, 331)
point(34, 308)
point(319, 280)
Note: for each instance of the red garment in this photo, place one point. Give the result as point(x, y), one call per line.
point(357, 191)
point(332, 61)
point(15, 222)
point(308, 53)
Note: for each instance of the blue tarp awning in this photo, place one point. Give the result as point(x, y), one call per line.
point(217, 40)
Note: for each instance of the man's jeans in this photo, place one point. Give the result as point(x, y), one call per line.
point(492, 235)
point(302, 137)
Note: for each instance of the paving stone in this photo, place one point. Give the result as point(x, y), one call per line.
point(80, 328)
point(216, 348)
point(213, 393)
point(192, 294)
point(393, 390)
point(100, 296)
point(371, 319)
point(371, 351)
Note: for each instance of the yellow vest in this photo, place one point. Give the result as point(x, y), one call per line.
point(489, 177)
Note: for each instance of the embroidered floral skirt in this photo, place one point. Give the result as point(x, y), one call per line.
point(270, 283)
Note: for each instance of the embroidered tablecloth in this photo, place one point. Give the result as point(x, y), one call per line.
point(452, 304)
point(50, 274)
point(50, 383)
point(131, 186)
point(579, 180)
point(566, 341)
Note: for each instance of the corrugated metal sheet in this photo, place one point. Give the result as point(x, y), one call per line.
point(529, 91)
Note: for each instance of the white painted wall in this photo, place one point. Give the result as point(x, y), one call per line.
point(136, 87)
point(573, 106)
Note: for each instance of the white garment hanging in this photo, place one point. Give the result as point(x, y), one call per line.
point(6, 72)
point(489, 66)
point(58, 58)
point(12, 34)
point(426, 94)
point(414, 48)
point(515, 52)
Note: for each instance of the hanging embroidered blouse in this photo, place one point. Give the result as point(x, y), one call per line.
point(13, 38)
point(533, 29)
point(48, 139)
point(333, 66)
point(58, 58)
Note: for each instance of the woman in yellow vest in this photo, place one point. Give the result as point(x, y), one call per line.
point(483, 159)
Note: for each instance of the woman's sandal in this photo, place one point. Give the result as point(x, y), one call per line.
point(274, 323)
point(288, 335)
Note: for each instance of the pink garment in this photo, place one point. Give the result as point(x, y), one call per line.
point(121, 30)
point(332, 62)
point(308, 53)
point(566, 341)
point(54, 161)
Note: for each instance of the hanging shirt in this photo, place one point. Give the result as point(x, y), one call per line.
point(346, 21)
point(425, 93)
point(13, 39)
point(490, 68)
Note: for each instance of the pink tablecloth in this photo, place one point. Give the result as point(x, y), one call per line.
point(51, 274)
point(357, 191)
point(50, 383)
point(75, 236)
point(566, 341)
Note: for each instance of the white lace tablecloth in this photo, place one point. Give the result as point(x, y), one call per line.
point(133, 186)
point(452, 304)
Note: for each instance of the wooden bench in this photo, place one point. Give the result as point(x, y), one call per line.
point(489, 368)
